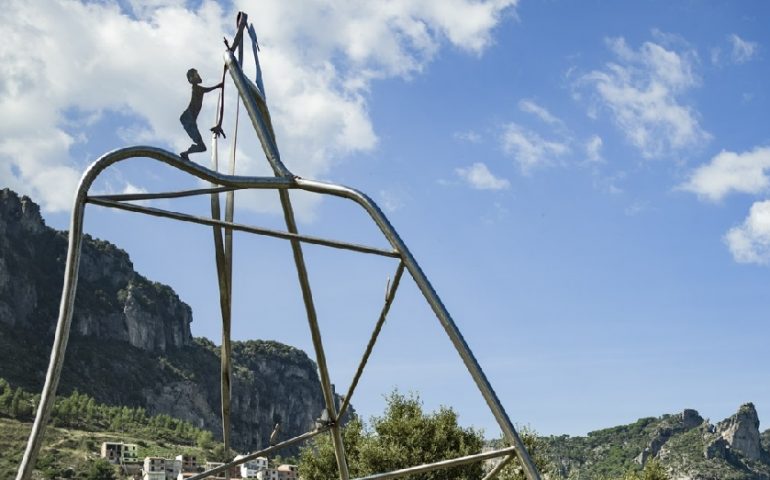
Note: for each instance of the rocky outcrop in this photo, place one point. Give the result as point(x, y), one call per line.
point(685, 446)
point(683, 422)
point(741, 432)
point(131, 342)
point(113, 300)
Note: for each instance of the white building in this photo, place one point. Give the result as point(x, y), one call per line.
point(154, 468)
point(267, 474)
point(173, 468)
point(251, 468)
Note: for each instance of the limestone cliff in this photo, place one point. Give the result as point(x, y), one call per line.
point(113, 300)
point(741, 432)
point(131, 342)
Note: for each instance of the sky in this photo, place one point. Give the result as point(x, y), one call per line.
point(586, 185)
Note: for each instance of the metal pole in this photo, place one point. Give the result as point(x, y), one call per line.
point(66, 307)
point(263, 129)
point(183, 217)
point(130, 197)
point(493, 473)
point(439, 309)
point(225, 305)
point(455, 462)
point(271, 152)
point(389, 297)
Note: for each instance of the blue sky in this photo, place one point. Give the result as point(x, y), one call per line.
point(585, 183)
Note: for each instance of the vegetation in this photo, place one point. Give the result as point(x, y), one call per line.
point(71, 450)
point(404, 436)
point(537, 449)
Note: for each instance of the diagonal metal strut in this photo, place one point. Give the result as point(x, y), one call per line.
point(267, 139)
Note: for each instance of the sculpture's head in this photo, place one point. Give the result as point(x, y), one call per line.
point(193, 76)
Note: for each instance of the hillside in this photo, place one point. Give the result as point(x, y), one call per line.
point(131, 342)
point(686, 445)
point(78, 427)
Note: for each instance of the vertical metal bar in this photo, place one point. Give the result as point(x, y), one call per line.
point(224, 304)
point(228, 267)
point(315, 332)
point(61, 337)
point(441, 312)
point(271, 152)
point(389, 297)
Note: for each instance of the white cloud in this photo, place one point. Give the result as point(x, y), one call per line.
point(635, 208)
point(468, 136)
point(731, 172)
point(318, 61)
point(750, 241)
point(642, 93)
point(529, 106)
point(594, 149)
point(742, 50)
point(528, 148)
point(392, 201)
point(479, 177)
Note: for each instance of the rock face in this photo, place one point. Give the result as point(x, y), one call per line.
point(685, 445)
point(687, 420)
point(131, 342)
point(741, 432)
point(113, 300)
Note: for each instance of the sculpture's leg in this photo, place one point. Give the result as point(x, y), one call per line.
point(62, 336)
point(441, 313)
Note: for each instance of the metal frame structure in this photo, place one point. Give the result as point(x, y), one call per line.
point(284, 181)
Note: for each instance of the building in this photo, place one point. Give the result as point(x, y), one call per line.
point(267, 474)
point(119, 453)
point(211, 465)
point(189, 463)
point(154, 468)
point(173, 468)
point(251, 468)
point(287, 472)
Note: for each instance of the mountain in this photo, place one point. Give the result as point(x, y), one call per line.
point(131, 342)
point(687, 446)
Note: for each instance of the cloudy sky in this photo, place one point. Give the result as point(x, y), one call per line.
point(587, 184)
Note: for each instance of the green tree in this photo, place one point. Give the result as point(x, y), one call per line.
point(536, 448)
point(653, 470)
point(100, 469)
point(16, 403)
point(205, 439)
point(403, 436)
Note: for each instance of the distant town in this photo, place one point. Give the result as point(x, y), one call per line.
point(184, 466)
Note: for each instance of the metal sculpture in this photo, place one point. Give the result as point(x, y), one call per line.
point(252, 95)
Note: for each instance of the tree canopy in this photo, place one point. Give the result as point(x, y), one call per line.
point(403, 436)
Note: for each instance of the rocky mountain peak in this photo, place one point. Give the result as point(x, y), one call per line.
point(20, 213)
point(741, 432)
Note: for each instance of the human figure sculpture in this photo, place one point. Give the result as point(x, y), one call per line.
point(189, 117)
